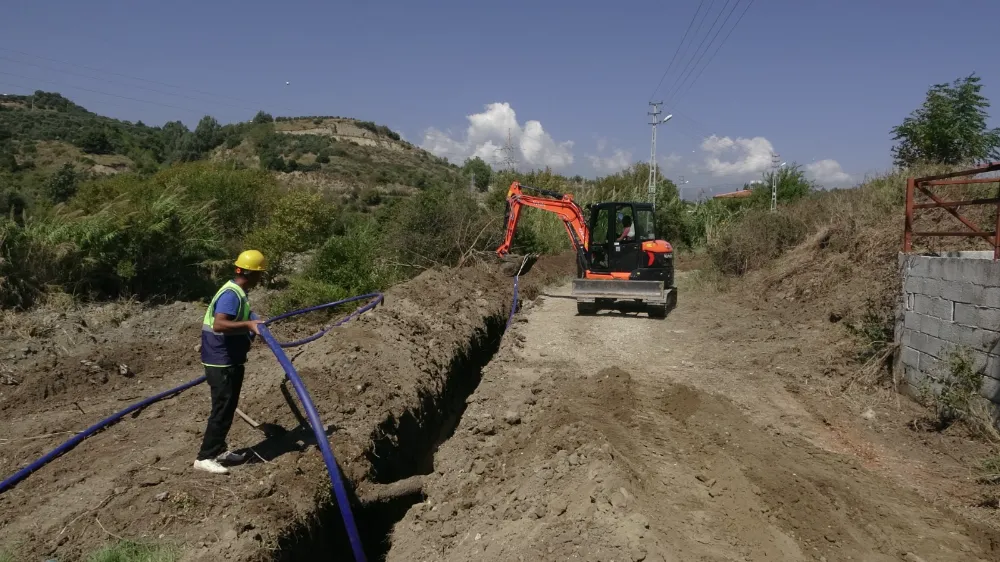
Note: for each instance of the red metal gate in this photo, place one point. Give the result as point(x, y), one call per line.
point(964, 177)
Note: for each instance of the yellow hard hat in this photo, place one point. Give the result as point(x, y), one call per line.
point(251, 260)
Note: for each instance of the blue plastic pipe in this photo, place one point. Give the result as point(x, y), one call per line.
point(314, 420)
point(73, 441)
point(343, 503)
point(376, 299)
point(513, 305)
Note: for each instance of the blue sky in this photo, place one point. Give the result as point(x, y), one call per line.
point(820, 82)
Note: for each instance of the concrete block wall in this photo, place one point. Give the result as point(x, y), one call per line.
point(949, 301)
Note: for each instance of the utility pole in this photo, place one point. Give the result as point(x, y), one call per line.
point(775, 159)
point(654, 121)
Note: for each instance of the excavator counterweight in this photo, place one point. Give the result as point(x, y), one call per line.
point(620, 262)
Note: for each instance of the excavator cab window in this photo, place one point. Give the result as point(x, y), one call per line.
point(622, 244)
point(645, 228)
point(625, 228)
point(599, 237)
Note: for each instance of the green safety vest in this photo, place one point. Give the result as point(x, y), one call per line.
point(224, 350)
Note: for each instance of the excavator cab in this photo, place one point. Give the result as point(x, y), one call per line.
point(629, 267)
point(617, 232)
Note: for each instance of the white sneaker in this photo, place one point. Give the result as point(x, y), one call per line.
point(231, 457)
point(209, 465)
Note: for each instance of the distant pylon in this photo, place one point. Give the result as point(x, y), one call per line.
point(509, 161)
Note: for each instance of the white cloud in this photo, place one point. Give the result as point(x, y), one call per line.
point(669, 161)
point(487, 134)
point(739, 157)
point(617, 161)
point(828, 173)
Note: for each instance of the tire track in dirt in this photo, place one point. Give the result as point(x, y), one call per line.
point(625, 438)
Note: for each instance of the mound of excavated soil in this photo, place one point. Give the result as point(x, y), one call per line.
point(617, 437)
point(380, 383)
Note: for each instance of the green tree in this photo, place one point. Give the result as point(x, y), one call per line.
point(791, 181)
point(62, 185)
point(262, 117)
point(480, 171)
point(94, 141)
point(949, 128)
point(208, 134)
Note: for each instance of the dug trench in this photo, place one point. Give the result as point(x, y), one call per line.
point(403, 452)
point(390, 386)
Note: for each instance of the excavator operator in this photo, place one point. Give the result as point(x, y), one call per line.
point(628, 233)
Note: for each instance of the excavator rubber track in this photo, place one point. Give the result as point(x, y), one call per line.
point(652, 297)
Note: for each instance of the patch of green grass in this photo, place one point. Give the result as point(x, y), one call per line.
point(130, 551)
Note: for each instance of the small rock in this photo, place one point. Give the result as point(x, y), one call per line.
point(910, 557)
point(557, 506)
point(574, 459)
point(618, 500)
point(512, 417)
point(151, 480)
point(868, 414)
point(448, 530)
point(162, 496)
point(230, 535)
point(120, 490)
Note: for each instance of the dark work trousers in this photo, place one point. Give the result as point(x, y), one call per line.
point(225, 384)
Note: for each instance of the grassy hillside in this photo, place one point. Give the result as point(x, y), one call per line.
point(96, 208)
point(360, 160)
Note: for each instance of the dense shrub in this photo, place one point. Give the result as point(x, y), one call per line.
point(25, 264)
point(299, 220)
point(755, 239)
point(160, 245)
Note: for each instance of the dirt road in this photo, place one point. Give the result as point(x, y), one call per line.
point(718, 433)
point(685, 439)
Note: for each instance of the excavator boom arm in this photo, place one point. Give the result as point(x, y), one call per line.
point(560, 204)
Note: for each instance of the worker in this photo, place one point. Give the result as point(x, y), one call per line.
point(627, 233)
point(227, 332)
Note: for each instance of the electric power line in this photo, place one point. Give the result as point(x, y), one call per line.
point(697, 31)
point(676, 51)
point(202, 113)
point(716, 51)
point(225, 104)
point(132, 77)
point(693, 63)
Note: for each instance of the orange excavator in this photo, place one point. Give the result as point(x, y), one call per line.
point(620, 264)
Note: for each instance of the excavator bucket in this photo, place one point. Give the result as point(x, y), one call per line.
point(515, 266)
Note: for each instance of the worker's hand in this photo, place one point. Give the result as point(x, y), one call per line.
point(254, 325)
